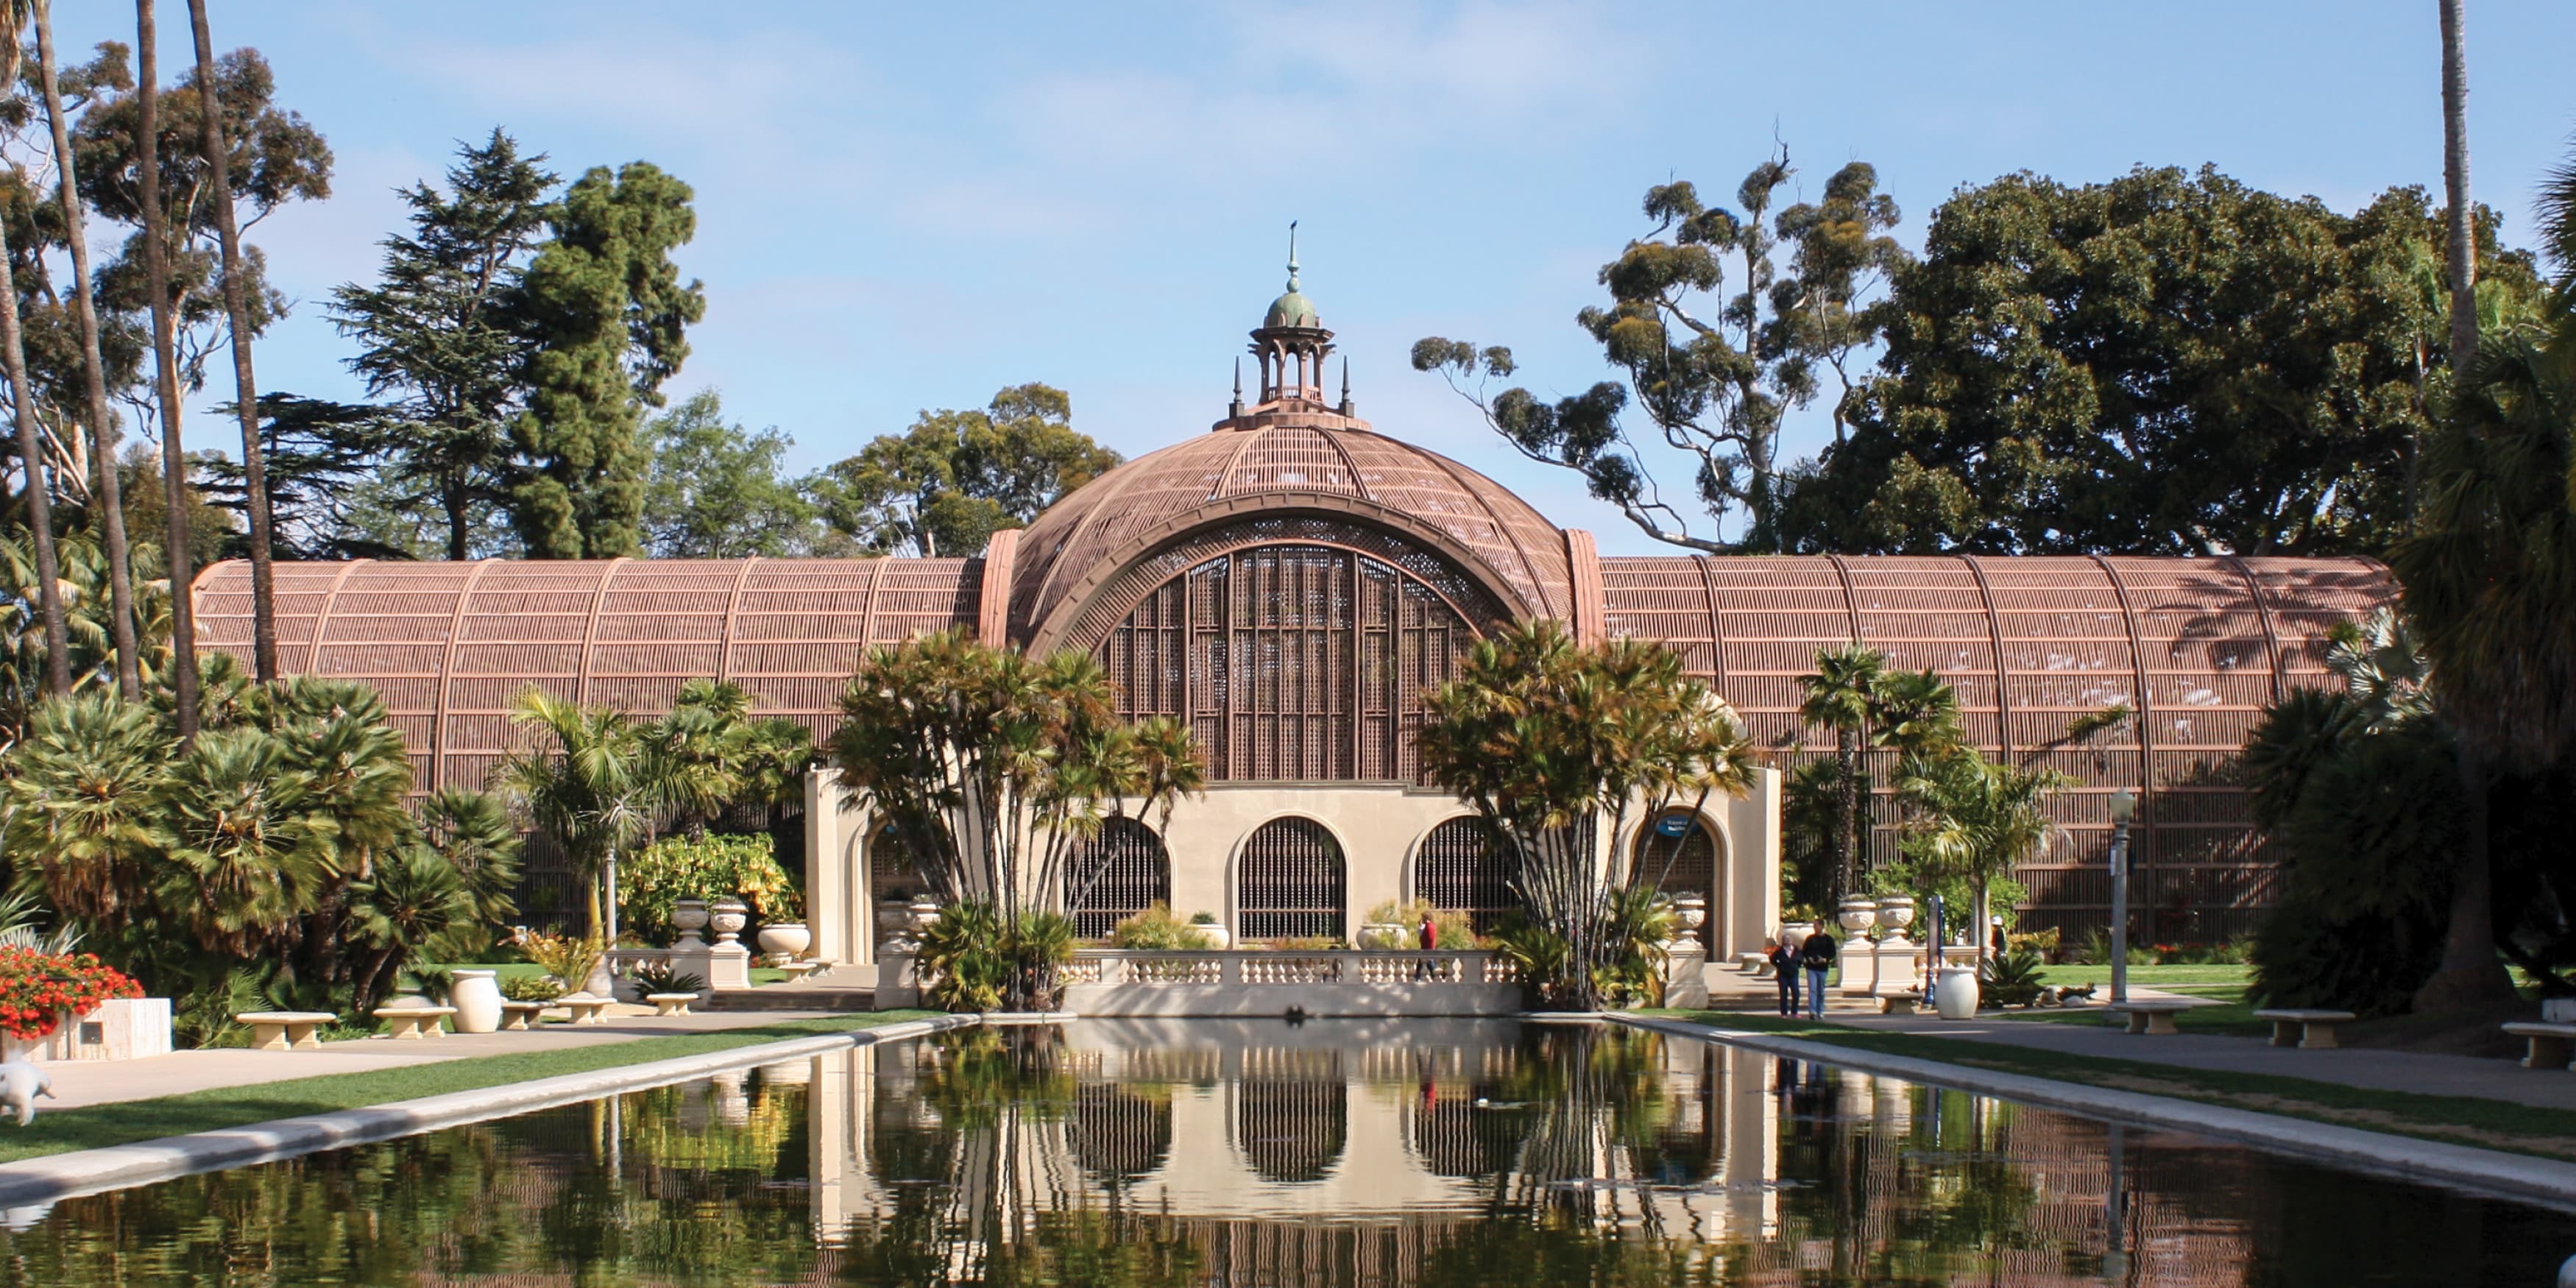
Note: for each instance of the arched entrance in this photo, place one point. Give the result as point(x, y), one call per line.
point(1290, 882)
point(1678, 855)
point(1459, 868)
point(1114, 874)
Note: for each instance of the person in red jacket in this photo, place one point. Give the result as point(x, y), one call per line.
point(1430, 933)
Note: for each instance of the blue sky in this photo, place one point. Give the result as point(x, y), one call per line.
point(909, 206)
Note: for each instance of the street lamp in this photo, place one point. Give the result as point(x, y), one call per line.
point(2124, 807)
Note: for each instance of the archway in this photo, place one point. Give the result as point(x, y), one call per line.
point(1678, 855)
point(1290, 883)
point(1292, 1113)
point(1113, 874)
point(1459, 868)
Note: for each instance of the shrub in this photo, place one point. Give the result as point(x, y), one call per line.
point(1540, 955)
point(532, 988)
point(36, 988)
point(1456, 929)
point(970, 960)
point(1156, 928)
point(1202, 918)
point(709, 868)
point(2009, 980)
point(2046, 943)
point(564, 957)
point(663, 977)
point(2369, 965)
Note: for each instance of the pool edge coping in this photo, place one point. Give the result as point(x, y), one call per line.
point(2488, 1171)
point(56, 1177)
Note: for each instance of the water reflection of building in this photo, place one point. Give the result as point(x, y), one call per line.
point(1348, 1153)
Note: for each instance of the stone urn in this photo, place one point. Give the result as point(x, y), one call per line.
point(1955, 997)
point(1215, 935)
point(1857, 916)
point(1791, 934)
point(1896, 912)
point(1386, 935)
point(690, 915)
point(733, 1097)
point(729, 916)
point(788, 939)
point(1692, 911)
point(476, 995)
point(922, 912)
point(894, 925)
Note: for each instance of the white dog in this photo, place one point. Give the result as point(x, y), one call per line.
point(20, 1084)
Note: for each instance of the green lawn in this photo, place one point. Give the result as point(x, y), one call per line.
point(99, 1126)
point(2462, 1120)
point(2150, 976)
point(2227, 985)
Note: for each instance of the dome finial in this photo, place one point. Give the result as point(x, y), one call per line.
point(1292, 254)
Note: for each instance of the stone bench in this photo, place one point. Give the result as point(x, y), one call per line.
point(1901, 1004)
point(522, 1015)
point(583, 1008)
point(671, 1003)
point(2552, 1046)
point(2155, 1019)
point(2307, 1030)
point(285, 1030)
point(801, 968)
point(1757, 965)
point(412, 1023)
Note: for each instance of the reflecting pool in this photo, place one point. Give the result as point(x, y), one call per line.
point(1256, 1153)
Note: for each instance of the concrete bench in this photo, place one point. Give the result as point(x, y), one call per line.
point(285, 1030)
point(2154, 1019)
point(2552, 1046)
point(584, 1008)
point(412, 1023)
point(2307, 1030)
point(522, 1015)
point(1901, 1004)
point(671, 1003)
point(1757, 965)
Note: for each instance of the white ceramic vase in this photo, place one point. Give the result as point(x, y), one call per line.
point(786, 939)
point(476, 995)
point(1955, 997)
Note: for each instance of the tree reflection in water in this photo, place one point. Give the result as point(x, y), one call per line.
point(1211, 1154)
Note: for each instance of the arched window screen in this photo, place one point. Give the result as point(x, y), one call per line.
point(1114, 874)
point(1118, 1135)
point(1680, 865)
point(1460, 868)
point(1290, 885)
point(890, 866)
point(1297, 663)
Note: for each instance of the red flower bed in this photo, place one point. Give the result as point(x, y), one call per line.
point(37, 988)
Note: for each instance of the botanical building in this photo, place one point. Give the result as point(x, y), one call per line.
point(1291, 580)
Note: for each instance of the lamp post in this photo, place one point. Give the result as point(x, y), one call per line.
point(2124, 807)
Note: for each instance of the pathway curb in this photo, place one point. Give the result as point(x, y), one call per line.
point(60, 1176)
point(2516, 1176)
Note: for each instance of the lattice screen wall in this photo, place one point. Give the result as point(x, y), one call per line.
point(1686, 864)
point(1290, 883)
point(1460, 869)
point(1293, 662)
point(1115, 874)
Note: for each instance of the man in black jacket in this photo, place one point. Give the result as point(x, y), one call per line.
point(1817, 956)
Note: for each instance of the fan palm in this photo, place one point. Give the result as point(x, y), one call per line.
point(473, 832)
point(592, 782)
point(85, 806)
point(1839, 697)
point(413, 898)
point(248, 853)
point(1975, 819)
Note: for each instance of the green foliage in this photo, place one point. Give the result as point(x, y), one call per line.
point(2167, 363)
point(716, 491)
point(564, 957)
point(2368, 964)
point(662, 977)
point(411, 900)
point(1456, 929)
point(947, 484)
point(1714, 370)
point(1544, 739)
point(1157, 929)
point(1639, 921)
point(709, 868)
point(474, 833)
point(962, 960)
point(603, 310)
point(2010, 980)
point(537, 988)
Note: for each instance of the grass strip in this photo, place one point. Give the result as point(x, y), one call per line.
point(2458, 1120)
point(126, 1122)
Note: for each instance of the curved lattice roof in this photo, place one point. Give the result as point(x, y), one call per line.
point(1282, 463)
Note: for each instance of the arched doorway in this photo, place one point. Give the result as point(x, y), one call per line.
point(1290, 882)
point(1460, 868)
point(1113, 874)
point(1292, 1113)
point(1678, 855)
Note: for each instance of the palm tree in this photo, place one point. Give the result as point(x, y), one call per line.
point(1839, 697)
point(594, 785)
point(707, 750)
point(31, 452)
point(473, 832)
point(248, 855)
point(2455, 186)
point(85, 801)
point(156, 273)
point(263, 580)
point(1975, 819)
point(413, 899)
point(110, 502)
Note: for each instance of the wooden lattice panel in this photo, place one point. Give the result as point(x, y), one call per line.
point(1114, 874)
point(1682, 865)
point(1290, 882)
point(1460, 869)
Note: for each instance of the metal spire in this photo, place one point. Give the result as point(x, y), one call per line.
point(1346, 384)
point(1292, 254)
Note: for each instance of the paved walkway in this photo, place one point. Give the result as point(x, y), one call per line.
point(2429, 1074)
point(107, 1082)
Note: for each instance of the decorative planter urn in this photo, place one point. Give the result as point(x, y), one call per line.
point(1214, 934)
point(690, 915)
point(729, 916)
point(1385, 935)
point(1896, 912)
point(476, 995)
point(894, 925)
point(1858, 915)
point(1792, 934)
point(786, 939)
point(1692, 910)
point(1955, 997)
point(922, 911)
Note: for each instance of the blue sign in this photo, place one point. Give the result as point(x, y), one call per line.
point(1673, 825)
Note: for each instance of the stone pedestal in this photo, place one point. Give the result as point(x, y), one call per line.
point(1686, 974)
point(1896, 967)
point(898, 981)
point(720, 965)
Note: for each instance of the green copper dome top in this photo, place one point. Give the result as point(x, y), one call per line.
point(1292, 308)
